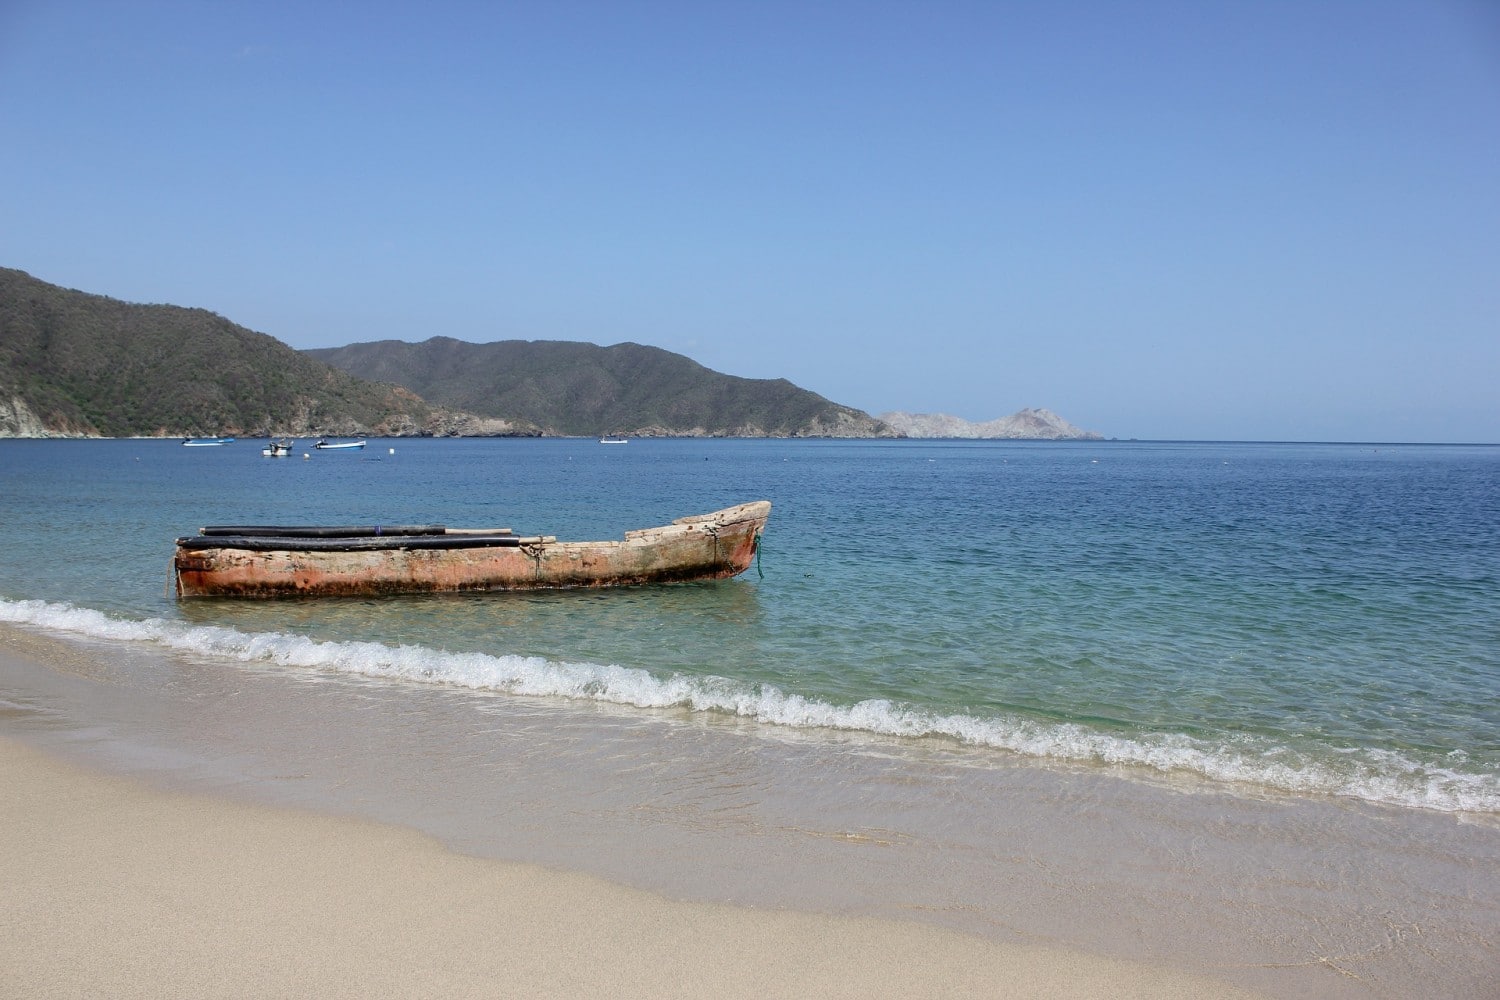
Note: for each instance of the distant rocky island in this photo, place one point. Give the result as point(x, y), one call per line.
point(1028, 424)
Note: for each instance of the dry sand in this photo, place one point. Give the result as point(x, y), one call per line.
point(112, 888)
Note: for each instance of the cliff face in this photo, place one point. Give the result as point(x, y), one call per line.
point(1028, 424)
point(18, 421)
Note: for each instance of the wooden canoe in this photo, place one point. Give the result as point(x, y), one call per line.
point(277, 561)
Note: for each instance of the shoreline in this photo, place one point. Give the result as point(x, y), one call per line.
point(115, 887)
point(193, 785)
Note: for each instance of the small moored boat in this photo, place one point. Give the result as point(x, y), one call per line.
point(326, 445)
point(209, 442)
point(361, 561)
point(278, 448)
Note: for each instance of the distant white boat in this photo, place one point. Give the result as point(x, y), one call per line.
point(326, 445)
point(213, 442)
point(278, 448)
point(613, 439)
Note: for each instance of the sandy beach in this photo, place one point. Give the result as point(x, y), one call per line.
point(117, 889)
point(177, 826)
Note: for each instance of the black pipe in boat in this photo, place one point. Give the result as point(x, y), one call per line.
point(362, 543)
point(315, 531)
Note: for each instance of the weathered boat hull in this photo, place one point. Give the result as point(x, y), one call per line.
point(705, 547)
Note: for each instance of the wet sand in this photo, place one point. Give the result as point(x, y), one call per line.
point(116, 889)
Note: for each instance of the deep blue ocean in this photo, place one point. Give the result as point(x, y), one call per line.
point(1310, 619)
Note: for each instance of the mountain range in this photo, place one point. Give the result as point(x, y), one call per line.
point(75, 364)
point(581, 389)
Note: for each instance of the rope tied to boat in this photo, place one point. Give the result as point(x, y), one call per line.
point(534, 550)
point(756, 542)
point(712, 530)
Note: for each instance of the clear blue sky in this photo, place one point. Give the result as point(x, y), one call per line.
point(1270, 219)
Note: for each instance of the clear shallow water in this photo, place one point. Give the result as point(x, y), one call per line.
point(1319, 619)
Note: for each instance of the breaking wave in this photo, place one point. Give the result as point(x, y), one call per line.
point(1380, 776)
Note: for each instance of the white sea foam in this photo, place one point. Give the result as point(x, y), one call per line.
point(1381, 776)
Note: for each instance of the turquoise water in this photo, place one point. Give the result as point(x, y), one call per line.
point(1321, 620)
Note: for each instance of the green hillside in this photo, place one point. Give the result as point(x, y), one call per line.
point(584, 389)
point(92, 365)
